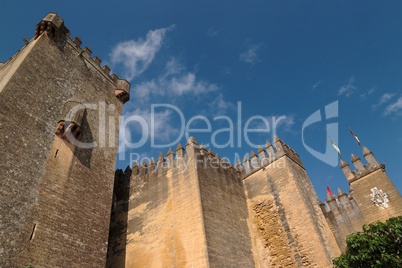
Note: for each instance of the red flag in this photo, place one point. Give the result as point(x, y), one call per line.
point(355, 136)
point(329, 191)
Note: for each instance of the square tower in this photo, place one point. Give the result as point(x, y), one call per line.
point(59, 112)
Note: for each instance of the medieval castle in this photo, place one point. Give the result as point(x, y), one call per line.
point(63, 205)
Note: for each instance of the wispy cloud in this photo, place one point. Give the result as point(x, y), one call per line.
point(174, 81)
point(394, 108)
point(250, 55)
point(316, 85)
point(348, 88)
point(275, 123)
point(285, 122)
point(219, 106)
point(146, 123)
point(158, 122)
point(384, 99)
point(136, 55)
point(212, 32)
point(367, 93)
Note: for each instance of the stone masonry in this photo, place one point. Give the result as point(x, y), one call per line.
point(346, 213)
point(63, 204)
point(55, 197)
point(193, 209)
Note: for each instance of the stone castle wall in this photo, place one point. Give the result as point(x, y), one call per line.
point(55, 196)
point(265, 213)
point(225, 212)
point(347, 213)
point(60, 204)
point(285, 221)
point(343, 215)
point(182, 213)
point(165, 221)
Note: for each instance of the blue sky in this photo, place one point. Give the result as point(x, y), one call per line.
point(278, 59)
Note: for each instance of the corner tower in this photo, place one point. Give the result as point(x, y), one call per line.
point(286, 224)
point(186, 210)
point(372, 189)
point(59, 112)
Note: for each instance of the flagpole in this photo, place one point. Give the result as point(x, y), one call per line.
point(336, 147)
point(355, 136)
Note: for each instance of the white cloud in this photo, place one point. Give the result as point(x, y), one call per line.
point(365, 95)
point(187, 84)
point(285, 122)
point(162, 128)
point(348, 89)
point(316, 85)
point(174, 82)
point(276, 122)
point(250, 55)
point(173, 67)
point(395, 107)
point(162, 123)
point(125, 137)
point(384, 99)
point(136, 55)
point(219, 106)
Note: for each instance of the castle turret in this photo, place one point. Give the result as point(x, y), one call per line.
point(357, 163)
point(371, 189)
point(203, 150)
point(343, 216)
point(144, 168)
point(170, 156)
point(284, 212)
point(369, 156)
point(179, 150)
point(270, 149)
point(246, 164)
point(346, 170)
point(261, 153)
point(254, 161)
point(135, 169)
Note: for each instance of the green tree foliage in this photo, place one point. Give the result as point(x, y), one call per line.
point(378, 245)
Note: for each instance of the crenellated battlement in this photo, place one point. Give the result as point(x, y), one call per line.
point(361, 169)
point(122, 86)
point(181, 159)
point(334, 202)
point(53, 26)
point(187, 207)
point(195, 154)
point(253, 162)
point(54, 80)
point(343, 215)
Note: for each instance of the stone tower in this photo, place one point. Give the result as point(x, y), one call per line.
point(372, 189)
point(59, 114)
point(372, 197)
point(193, 209)
point(60, 206)
point(187, 209)
point(285, 221)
